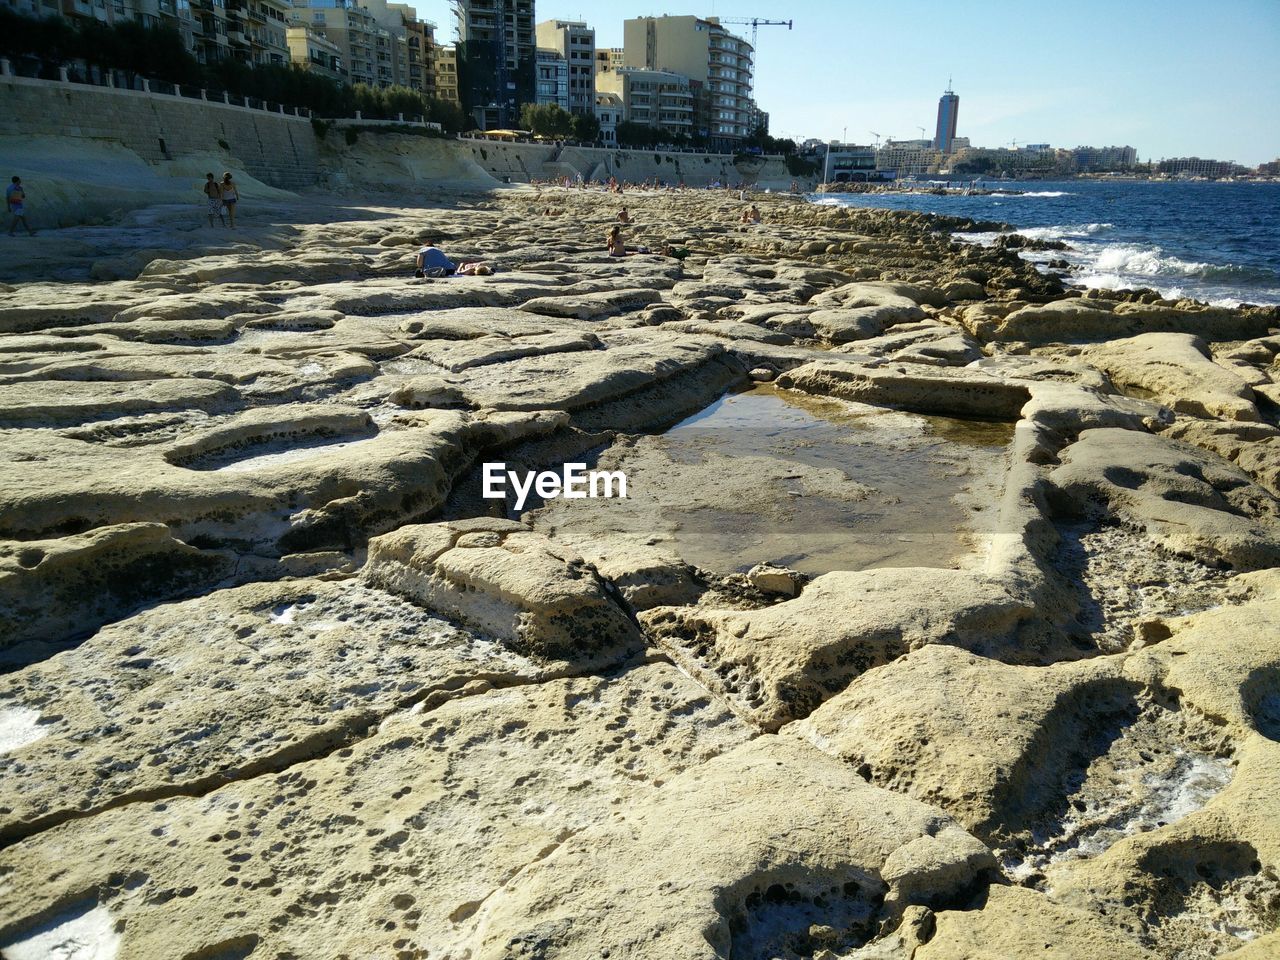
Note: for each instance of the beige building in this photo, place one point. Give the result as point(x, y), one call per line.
point(905, 158)
point(262, 27)
point(576, 43)
point(350, 27)
point(610, 58)
point(654, 98)
point(447, 74)
point(312, 50)
point(406, 56)
point(420, 39)
point(718, 63)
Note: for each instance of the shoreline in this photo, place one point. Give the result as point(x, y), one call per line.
point(278, 673)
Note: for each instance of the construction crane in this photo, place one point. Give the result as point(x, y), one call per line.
point(877, 136)
point(755, 23)
point(921, 129)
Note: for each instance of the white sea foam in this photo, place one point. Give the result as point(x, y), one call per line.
point(88, 935)
point(1045, 193)
point(1145, 262)
point(1065, 231)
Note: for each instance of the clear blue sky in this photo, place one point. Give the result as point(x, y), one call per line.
point(1170, 77)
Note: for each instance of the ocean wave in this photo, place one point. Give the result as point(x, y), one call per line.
point(1144, 262)
point(1064, 231)
point(1154, 262)
point(1045, 193)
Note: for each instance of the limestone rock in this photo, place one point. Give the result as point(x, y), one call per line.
point(966, 394)
point(804, 840)
point(286, 861)
point(780, 663)
point(1176, 370)
point(500, 577)
point(1188, 501)
point(770, 579)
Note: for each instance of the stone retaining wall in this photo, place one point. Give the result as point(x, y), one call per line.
point(279, 149)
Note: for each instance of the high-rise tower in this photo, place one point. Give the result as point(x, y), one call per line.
point(495, 54)
point(948, 108)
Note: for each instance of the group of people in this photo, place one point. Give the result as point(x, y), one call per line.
point(223, 196)
point(15, 201)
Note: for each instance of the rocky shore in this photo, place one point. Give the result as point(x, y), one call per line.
point(940, 620)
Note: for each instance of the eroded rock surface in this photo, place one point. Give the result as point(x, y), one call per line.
point(939, 621)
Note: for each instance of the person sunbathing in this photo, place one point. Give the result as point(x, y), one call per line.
point(431, 261)
point(617, 247)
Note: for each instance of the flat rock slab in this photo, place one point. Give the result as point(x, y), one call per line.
point(391, 844)
point(779, 663)
point(1175, 369)
point(958, 393)
point(740, 856)
point(188, 696)
point(1189, 501)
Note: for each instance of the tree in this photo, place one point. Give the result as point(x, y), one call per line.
point(632, 134)
point(449, 115)
point(546, 119)
point(586, 127)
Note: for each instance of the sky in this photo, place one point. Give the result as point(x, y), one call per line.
point(1169, 77)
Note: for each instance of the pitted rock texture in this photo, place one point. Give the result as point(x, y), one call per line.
point(280, 682)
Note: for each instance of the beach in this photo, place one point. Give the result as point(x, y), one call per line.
point(938, 619)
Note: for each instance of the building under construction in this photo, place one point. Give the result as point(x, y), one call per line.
point(496, 60)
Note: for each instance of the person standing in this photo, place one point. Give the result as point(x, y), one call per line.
point(213, 190)
point(15, 199)
point(230, 196)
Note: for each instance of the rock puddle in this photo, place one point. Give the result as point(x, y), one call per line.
point(900, 504)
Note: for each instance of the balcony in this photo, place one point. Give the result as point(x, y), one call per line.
point(237, 37)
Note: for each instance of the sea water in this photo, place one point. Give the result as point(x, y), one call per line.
point(1214, 241)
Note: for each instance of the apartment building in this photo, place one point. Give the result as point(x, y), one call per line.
point(610, 58)
point(1187, 167)
point(154, 13)
point(350, 27)
point(654, 98)
point(495, 59)
point(905, 158)
point(311, 50)
point(552, 83)
point(447, 74)
point(1090, 159)
point(719, 63)
point(420, 43)
point(576, 43)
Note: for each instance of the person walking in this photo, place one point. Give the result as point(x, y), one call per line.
point(15, 199)
point(230, 196)
point(213, 190)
